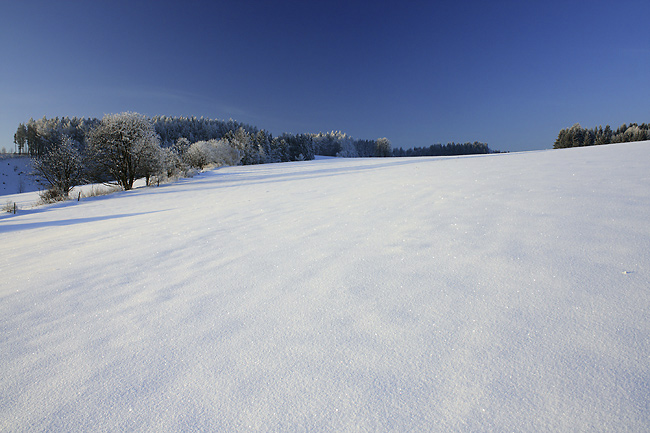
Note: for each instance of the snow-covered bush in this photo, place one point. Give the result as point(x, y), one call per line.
point(59, 170)
point(226, 154)
point(174, 165)
point(200, 154)
point(219, 152)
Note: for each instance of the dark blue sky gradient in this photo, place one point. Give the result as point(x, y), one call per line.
point(509, 73)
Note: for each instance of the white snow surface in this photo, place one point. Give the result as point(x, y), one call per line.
point(493, 293)
point(14, 175)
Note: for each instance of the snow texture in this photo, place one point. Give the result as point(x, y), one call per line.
point(14, 175)
point(494, 293)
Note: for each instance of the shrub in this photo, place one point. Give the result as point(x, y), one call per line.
point(59, 170)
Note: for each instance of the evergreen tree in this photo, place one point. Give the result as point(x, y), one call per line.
point(383, 147)
point(20, 138)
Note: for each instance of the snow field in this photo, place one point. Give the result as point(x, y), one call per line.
point(14, 176)
point(494, 293)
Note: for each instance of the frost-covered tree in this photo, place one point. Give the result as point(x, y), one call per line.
point(348, 149)
point(474, 148)
point(383, 147)
point(578, 136)
point(121, 146)
point(200, 154)
point(153, 163)
point(327, 144)
point(181, 146)
point(299, 147)
point(365, 148)
point(60, 169)
point(279, 150)
point(172, 163)
point(195, 129)
point(262, 142)
point(218, 152)
point(225, 153)
point(245, 143)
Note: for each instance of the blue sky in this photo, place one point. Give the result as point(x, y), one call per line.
point(509, 73)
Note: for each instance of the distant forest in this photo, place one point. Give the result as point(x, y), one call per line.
point(577, 136)
point(446, 150)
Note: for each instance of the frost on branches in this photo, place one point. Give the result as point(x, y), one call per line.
point(59, 170)
point(217, 152)
point(125, 146)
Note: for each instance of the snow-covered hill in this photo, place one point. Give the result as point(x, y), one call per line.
point(496, 293)
point(14, 175)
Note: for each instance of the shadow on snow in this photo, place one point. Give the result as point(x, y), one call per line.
point(6, 228)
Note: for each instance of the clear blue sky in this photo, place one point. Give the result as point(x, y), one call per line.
point(509, 73)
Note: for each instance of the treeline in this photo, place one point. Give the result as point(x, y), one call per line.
point(577, 136)
point(38, 137)
point(123, 147)
point(446, 150)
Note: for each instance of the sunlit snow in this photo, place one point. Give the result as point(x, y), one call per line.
point(496, 293)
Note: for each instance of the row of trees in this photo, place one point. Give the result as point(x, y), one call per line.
point(37, 137)
point(446, 150)
point(577, 136)
point(124, 147)
point(337, 143)
point(120, 148)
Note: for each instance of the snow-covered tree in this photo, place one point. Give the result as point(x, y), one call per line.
point(242, 140)
point(173, 164)
point(219, 152)
point(348, 149)
point(262, 142)
point(122, 145)
point(181, 146)
point(225, 153)
point(153, 163)
point(366, 148)
point(60, 169)
point(327, 144)
point(200, 154)
point(384, 147)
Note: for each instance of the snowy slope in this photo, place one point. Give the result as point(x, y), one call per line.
point(496, 293)
point(14, 175)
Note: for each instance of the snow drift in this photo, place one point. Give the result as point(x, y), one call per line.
point(495, 293)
